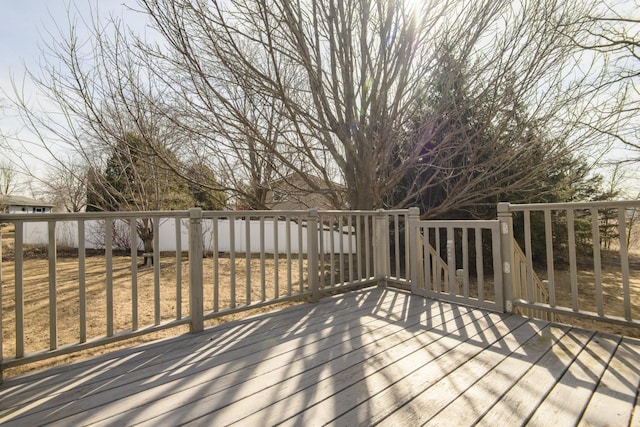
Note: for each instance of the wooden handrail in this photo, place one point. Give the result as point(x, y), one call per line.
point(540, 292)
point(435, 256)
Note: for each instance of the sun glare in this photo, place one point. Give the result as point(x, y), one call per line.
point(414, 6)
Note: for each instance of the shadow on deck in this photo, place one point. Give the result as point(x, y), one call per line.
point(374, 356)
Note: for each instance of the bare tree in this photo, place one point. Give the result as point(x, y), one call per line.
point(383, 100)
point(9, 178)
point(66, 186)
point(612, 35)
point(327, 70)
point(113, 118)
point(11, 182)
point(346, 78)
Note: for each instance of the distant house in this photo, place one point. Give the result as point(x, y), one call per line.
point(293, 192)
point(20, 204)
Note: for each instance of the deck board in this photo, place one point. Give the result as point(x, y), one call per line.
point(614, 399)
point(376, 371)
point(481, 381)
point(524, 396)
point(452, 354)
point(157, 360)
point(374, 356)
point(569, 397)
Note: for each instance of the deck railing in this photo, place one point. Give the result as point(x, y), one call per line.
point(76, 281)
point(458, 261)
point(109, 289)
point(572, 242)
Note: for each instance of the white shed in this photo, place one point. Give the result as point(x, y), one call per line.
point(20, 204)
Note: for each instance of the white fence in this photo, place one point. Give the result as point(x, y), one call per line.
point(270, 232)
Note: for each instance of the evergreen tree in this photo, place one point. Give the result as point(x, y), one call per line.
point(137, 178)
point(202, 180)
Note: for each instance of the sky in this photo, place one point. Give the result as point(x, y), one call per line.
point(25, 28)
point(24, 24)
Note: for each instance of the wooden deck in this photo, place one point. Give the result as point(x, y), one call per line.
point(373, 356)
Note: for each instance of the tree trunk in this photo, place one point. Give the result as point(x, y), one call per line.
point(145, 231)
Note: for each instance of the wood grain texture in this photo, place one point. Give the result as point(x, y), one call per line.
point(374, 356)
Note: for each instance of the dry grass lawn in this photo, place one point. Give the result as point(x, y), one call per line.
point(612, 291)
point(36, 297)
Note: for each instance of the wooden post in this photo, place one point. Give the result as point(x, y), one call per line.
point(506, 251)
point(312, 254)
point(381, 246)
point(196, 299)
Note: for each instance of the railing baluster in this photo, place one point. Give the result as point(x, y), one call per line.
point(312, 254)
point(548, 232)
point(350, 235)
point(53, 296)
point(332, 250)
point(341, 248)
point(232, 261)
point(133, 238)
point(451, 261)
point(276, 258)
point(465, 262)
point(407, 258)
point(178, 224)
point(300, 255)
point(624, 262)
point(358, 237)
point(263, 283)
point(156, 270)
point(19, 287)
point(572, 259)
point(528, 250)
point(387, 251)
point(108, 252)
point(497, 264)
point(321, 253)
point(288, 250)
point(216, 267)
point(517, 275)
point(597, 264)
point(367, 244)
point(426, 245)
point(480, 264)
point(412, 233)
point(247, 259)
point(396, 244)
point(438, 265)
